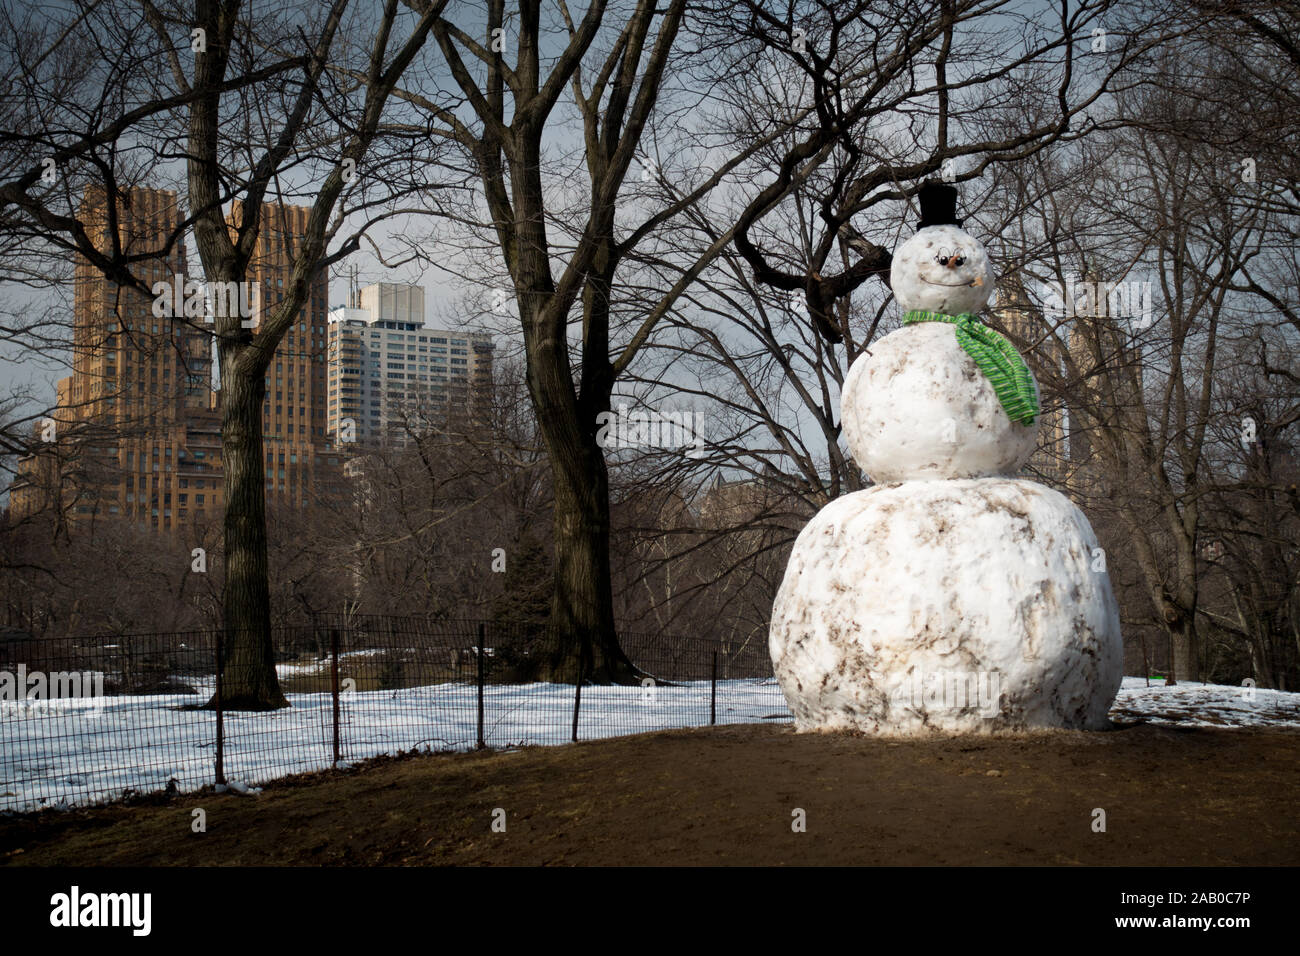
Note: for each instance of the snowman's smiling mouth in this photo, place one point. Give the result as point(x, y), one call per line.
point(951, 285)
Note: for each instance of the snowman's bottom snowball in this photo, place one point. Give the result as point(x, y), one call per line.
point(947, 606)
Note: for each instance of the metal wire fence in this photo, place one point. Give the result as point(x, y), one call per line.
point(88, 720)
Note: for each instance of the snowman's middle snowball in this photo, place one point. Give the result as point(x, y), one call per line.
point(917, 406)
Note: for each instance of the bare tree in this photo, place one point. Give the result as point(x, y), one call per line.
point(242, 102)
point(615, 72)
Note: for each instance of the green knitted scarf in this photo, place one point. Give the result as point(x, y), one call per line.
point(997, 359)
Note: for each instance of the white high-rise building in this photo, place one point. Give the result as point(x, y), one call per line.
point(391, 378)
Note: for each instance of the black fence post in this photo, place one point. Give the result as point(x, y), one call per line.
point(713, 693)
point(334, 681)
point(221, 725)
point(577, 698)
point(481, 651)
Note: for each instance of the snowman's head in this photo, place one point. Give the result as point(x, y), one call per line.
point(942, 269)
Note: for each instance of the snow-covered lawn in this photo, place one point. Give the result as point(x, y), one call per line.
point(69, 753)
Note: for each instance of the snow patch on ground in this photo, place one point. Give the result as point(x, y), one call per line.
point(1205, 705)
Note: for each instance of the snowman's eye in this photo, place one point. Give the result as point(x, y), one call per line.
point(959, 260)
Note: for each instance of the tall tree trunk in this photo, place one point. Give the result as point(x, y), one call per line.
point(1183, 656)
point(582, 605)
point(582, 610)
point(248, 678)
point(249, 681)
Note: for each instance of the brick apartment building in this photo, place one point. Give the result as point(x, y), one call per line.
point(136, 429)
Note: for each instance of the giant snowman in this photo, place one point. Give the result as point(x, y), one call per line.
point(951, 596)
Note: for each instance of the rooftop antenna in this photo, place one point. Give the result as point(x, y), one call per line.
point(354, 293)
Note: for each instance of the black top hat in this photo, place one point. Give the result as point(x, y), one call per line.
point(938, 205)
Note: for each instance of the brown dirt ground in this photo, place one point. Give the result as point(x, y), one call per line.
point(725, 795)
